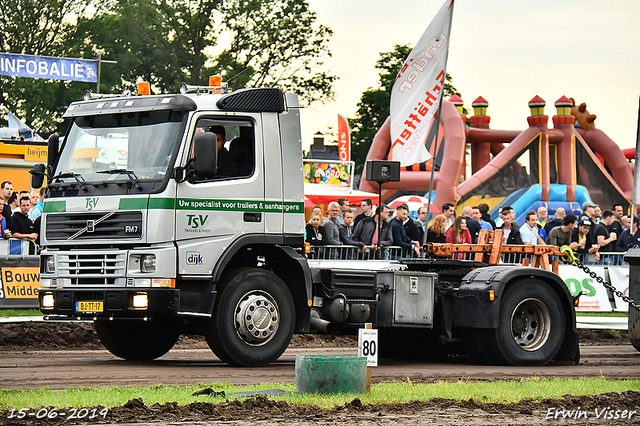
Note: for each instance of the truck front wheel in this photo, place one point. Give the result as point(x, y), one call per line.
point(531, 328)
point(253, 320)
point(139, 341)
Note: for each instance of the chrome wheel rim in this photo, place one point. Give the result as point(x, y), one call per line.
point(530, 324)
point(257, 318)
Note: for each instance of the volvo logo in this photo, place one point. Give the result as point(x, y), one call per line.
point(91, 225)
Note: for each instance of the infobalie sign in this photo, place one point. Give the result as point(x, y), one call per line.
point(48, 67)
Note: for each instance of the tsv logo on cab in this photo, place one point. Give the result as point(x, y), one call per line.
point(196, 221)
point(91, 203)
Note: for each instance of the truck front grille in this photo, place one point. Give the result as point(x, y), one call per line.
point(91, 226)
point(89, 295)
point(92, 269)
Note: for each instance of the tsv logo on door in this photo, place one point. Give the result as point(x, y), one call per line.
point(196, 221)
point(91, 203)
point(194, 258)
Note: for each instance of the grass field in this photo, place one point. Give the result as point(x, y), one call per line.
point(391, 392)
point(601, 314)
point(20, 313)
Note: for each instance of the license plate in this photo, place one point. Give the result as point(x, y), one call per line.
point(89, 306)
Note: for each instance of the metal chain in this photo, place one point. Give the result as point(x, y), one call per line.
point(607, 285)
point(570, 258)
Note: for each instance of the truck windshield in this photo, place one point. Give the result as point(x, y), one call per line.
point(141, 143)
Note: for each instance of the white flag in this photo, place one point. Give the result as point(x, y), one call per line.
point(415, 96)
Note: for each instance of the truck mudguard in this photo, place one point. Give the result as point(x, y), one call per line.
point(286, 263)
point(473, 308)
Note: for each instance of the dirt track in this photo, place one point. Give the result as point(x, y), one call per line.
point(63, 355)
point(64, 368)
point(24, 367)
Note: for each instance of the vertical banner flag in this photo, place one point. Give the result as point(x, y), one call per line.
point(344, 139)
point(416, 94)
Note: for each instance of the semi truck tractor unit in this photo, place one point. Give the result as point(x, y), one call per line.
point(184, 214)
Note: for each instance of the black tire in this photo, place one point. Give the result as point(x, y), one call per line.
point(235, 334)
point(139, 341)
point(531, 329)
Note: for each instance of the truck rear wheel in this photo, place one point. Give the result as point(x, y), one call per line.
point(139, 341)
point(531, 328)
point(253, 320)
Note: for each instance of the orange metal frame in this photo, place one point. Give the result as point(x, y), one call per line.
point(490, 247)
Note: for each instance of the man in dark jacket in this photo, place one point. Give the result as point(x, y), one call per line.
point(400, 237)
point(604, 236)
point(412, 230)
point(367, 211)
point(21, 226)
point(555, 221)
point(422, 223)
point(626, 240)
point(618, 212)
point(589, 210)
point(346, 231)
point(366, 230)
point(510, 227)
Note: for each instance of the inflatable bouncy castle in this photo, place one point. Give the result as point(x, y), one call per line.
point(563, 165)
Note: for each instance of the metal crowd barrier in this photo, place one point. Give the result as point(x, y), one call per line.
point(344, 252)
point(612, 259)
point(18, 247)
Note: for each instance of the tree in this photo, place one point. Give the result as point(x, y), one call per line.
point(165, 42)
point(158, 41)
point(373, 107)
point(40, 27)
point(273, 42)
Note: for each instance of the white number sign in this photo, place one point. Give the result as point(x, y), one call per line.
point(368, 346)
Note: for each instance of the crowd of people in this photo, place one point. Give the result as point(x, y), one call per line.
point(593, 232)
point(20, 212)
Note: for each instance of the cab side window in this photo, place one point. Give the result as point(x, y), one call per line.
point(235, 146)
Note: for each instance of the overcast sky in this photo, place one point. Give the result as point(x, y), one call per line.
point(506, 51)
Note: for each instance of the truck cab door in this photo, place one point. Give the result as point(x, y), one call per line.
point(213, 211)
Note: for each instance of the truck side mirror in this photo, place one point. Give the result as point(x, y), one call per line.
point(37, 176)
point(52, 150)
point(205, 153)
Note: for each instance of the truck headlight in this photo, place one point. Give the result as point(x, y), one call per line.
point(148, 263)
point(48, 301)
point(49, 264)
point(140, 301)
